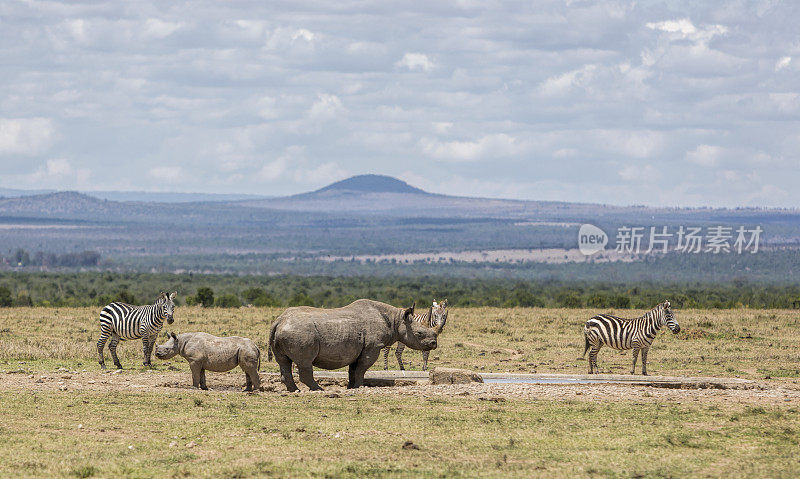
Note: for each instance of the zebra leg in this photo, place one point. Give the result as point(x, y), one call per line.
point(635, 357)
point(147, 349)
point(644, 361)
point(425, 360)
point(101, 344)
point(112, 348)
point(386, 358)
point(399, 354)
point(593, 369)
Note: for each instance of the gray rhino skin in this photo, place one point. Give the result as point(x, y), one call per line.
point(350, 336)
point(208, 352)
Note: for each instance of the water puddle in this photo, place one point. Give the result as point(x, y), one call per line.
point(548, 381)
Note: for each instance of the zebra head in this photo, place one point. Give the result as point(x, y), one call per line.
point(166, 306)
point(669, 318)
point(438, 313)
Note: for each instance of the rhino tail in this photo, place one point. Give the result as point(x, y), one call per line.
point(271, 340)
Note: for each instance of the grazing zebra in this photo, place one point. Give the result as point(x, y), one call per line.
point(121, 322)
point(620, 333)
point(436, 315)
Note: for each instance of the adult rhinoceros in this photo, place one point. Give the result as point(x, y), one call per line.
point(350, 336)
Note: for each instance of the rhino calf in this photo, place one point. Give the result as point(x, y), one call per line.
point(207, 352)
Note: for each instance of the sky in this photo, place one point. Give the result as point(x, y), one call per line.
point(620, 102)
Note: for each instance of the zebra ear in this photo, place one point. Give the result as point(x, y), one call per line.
point(666, 304)
point(173, 294)
point(444, 303)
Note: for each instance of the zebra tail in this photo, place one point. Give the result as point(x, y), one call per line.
point(587, 345)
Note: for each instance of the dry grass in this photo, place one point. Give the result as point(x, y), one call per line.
point(201, 434)
point(187, 433)
point(742, 343)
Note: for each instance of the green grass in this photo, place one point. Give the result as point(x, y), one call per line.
point(302, 435)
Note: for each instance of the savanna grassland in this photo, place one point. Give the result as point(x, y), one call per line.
point(59, 420)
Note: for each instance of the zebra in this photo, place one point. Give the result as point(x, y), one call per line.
point(436, 315)
point(121, 322)
point(620, 333)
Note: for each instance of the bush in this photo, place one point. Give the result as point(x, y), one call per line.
point(569, 300)
point(259, 297)
point(301, 299)
point(5, 297)
point(205, 296)
point(228, 301)
point(125, 296)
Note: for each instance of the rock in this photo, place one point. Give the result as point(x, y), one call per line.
point(410, 445)
point(440, 375)
point(191, 444)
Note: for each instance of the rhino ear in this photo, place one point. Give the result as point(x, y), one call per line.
point(173, 335)
point(408, 312)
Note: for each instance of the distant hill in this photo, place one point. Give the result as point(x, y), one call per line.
point(370, 184)
point(167, 197)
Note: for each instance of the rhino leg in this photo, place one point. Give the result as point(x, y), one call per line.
point(357, 369)
point(286, 371)
point(197, 373)
point(306, 374)
point(253, 380)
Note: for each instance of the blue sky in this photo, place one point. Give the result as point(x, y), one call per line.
point(659, 103)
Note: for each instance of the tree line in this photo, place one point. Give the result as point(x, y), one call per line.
point(227, 291)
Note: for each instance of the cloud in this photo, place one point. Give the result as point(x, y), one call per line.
point(549, 102)
point(167, 174)
point(273, 170)
point(320, 175)
point(26, 136)
point(640, 173)
point(705, 155)
point(415, 61)
point(496, 145)
point(326, 107)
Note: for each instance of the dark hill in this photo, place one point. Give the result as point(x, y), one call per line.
point(371, 184)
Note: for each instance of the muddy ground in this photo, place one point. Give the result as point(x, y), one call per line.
point(783, 393)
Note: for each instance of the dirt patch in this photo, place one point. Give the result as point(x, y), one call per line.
point(763, 393)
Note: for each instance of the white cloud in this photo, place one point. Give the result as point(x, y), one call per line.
point(640, 173)
point(273, 170)
point(415, 61)
point(782, 63)
point(159, 29)
point(705, 155)
point(326, 107)
point(320, 175)
point(167, 174)
point(684, 29)
point(496, 145)
point(26, 136)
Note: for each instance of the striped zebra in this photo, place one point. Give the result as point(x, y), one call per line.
point(436, 315)
point(120, 322)
point(620, 333)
